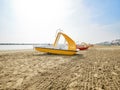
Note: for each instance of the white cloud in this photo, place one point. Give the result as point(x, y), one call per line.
point(93, 33)
point(82, 27)
point(38, 20)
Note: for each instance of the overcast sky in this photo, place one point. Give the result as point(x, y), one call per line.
point(36, 21)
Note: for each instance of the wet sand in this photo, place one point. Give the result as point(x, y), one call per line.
point(97, 68)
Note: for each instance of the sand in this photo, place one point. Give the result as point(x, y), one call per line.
point(97, 68)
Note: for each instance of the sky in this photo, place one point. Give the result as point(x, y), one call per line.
point(37, 21)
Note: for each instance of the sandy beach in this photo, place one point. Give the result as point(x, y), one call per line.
point(97, 68)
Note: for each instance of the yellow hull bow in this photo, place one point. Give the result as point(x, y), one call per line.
point(56, 51)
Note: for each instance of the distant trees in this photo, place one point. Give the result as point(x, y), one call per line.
point(115, 42)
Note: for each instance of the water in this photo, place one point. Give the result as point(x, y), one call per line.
point(15, 47)
point(18, 47)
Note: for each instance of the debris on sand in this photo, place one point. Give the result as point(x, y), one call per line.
point(95, 75)
point(113, 73)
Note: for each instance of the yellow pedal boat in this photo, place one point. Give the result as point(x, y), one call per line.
point(53, 49)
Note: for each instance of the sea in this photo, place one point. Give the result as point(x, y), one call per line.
point(15, 47)
point(22, 47)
